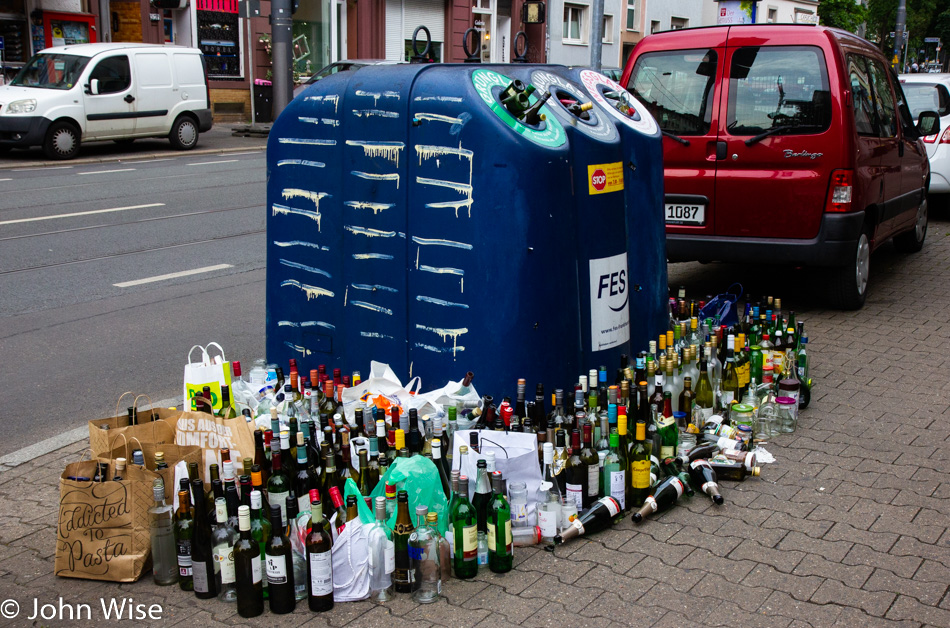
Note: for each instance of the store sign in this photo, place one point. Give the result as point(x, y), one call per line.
point(609, 302)
point(733, 12)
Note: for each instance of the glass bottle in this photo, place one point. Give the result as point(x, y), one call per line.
point(247, 568)
point(604, 513)
point(223, 538)
point(548, 499)
point(184, 528)
point(664, 496)
point(298, 524)
point(730, 376)
point(319, 563)
point(382, 555)
point(402, 575)
point(202, 558)
point(483, 495)
point(704, 477)
point(500, 556)
point(164, 554)
point(614, 474)
point(305, 480)
point(575, 484)
point(424, 557)
point(639, 467)
point(482, 549)
point(278, 486)
point(592, 462)
point(260, 528)
point(464, 524)
point(279, 566)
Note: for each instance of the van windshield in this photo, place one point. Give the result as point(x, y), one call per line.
point(677, 88)
point(51, 71)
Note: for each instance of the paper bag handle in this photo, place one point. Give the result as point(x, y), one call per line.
point(119, 402)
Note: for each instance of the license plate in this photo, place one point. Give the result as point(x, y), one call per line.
point(680, 214)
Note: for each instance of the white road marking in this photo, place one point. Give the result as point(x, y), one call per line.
point(95, 211)
point(41, 168)
point(256, 152)
point(149, 161)
point(6, 179)
point(106, 171)
point(208, 163)
point(184, 273)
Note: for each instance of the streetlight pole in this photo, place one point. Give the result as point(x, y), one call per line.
point(899, 30)
point(281, 38)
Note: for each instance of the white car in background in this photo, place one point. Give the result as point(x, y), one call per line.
point(931, 92)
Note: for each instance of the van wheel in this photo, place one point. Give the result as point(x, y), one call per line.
point(184, 135)
point(848, 284)
point(913, 240)
point(62, 141)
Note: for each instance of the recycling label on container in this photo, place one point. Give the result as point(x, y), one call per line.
point(609, 302)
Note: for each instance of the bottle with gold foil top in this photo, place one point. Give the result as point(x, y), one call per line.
point(402, 576)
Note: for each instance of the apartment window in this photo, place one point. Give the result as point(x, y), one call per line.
point(654, 26)
point(676, 23)
point(773, 16)
point(631, 15)
point(608, 34)
point(575, 23)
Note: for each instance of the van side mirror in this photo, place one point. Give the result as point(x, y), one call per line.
point(92, 87)
point(928, 123)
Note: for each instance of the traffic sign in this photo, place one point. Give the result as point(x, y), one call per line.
point(931, 40)
point(599, 180)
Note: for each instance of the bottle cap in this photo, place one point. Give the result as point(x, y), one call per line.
point(401, 496)
point(490, 460)
point(400, 439)
point(350, 500)
point(390, 490)
point(158, 489)
point(498, 483)
point(120, 464)
point(138, 458)
point(244, 518)
point(548, 452)
point(422, 511)
point(221, 509)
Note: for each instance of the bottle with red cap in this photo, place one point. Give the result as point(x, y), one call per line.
point(337, 498)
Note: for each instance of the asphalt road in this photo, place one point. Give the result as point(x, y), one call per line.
point(74, 334)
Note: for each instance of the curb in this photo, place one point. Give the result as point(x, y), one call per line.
point(141, 156)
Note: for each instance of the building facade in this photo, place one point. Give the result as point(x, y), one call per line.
point(769, 12)
point(571, 30)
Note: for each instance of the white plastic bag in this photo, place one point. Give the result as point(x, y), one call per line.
point(350, 556)
point(213, 372)
point(516, 456)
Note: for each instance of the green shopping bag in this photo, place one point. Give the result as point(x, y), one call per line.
point(419, 477)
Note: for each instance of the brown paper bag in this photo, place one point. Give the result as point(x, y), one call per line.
point(103, 531)
point(211, 434)
point(102, 432)
point(122, 447)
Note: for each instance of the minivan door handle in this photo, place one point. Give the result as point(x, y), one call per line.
point(129, 98)
point(721, 150)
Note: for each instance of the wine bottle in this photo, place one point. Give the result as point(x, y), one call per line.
point(184, 529)
point(600, 516)
point(729, 470)
point(592, 461)
point(382, 553)
point(279, 566)
point(247, 568)
point(463, 522)
point(500, 556)
point(164, 555)
point(319, 564)
point(548, 498)
point(402, 576)
point(663, 497)
point(576, 480)
point(639, 467)
point(223, 537)
point(202, 560)
point(483, 495)
point(704, 477)
point(439, 461)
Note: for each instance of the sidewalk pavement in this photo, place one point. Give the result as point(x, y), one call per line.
point(848, 527)
point(219, 139)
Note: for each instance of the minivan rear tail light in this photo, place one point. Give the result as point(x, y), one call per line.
point(839, 191)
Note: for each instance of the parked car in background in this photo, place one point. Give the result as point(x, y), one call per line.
point(68, 95)
point(784, 144)
point(931, 92)
point(339, 66)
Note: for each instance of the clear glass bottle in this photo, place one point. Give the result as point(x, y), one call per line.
point(164, 553)
point(548, 498)
point(424, 549)
point(382, 555)
point(518, 500)
point(223, 538)
point(482, 551)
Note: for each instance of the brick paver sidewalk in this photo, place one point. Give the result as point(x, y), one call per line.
point(849, 527)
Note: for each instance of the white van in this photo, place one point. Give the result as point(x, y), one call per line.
point(111, 91)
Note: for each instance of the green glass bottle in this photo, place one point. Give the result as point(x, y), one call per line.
point(669, 437)
point(704, 393)
point(613, 475)
point(260, 527)
point(279, 566)
point(402, 576)
point(278, 486)
point(500, 555)
point(464, 523)
point(247, 569)
point(639, 467)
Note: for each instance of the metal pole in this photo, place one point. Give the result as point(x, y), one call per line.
point(899, 30)
point(105, 21)
point(250, 56)
point(281, 38)
point(597, 34)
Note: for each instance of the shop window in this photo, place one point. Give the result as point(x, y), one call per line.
point(219, 39)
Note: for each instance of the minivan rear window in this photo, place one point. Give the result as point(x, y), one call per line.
point(677, 87)
point(927, 97)
point(778, 87)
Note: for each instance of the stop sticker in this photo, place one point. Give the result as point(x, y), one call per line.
point(598, 180)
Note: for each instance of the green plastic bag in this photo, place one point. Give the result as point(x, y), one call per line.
point(350, 488)
point(419, 477)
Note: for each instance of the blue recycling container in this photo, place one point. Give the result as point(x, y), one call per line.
point(411, 219)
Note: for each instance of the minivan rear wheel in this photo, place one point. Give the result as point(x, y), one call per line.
point(848, 285)
point(184, 134)
point(62, 141)
point(913, 240)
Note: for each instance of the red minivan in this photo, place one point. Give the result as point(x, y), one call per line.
point(784, 144)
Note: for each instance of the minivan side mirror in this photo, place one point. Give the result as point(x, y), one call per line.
point(928, 123)
point(92, 87)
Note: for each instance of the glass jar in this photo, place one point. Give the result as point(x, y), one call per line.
point(742, 414)
point(568, 514)
point(765, 421)
point(790, 388)
point(518, 499)
point(687, 441)
point(787, 419)
point(744, 435)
